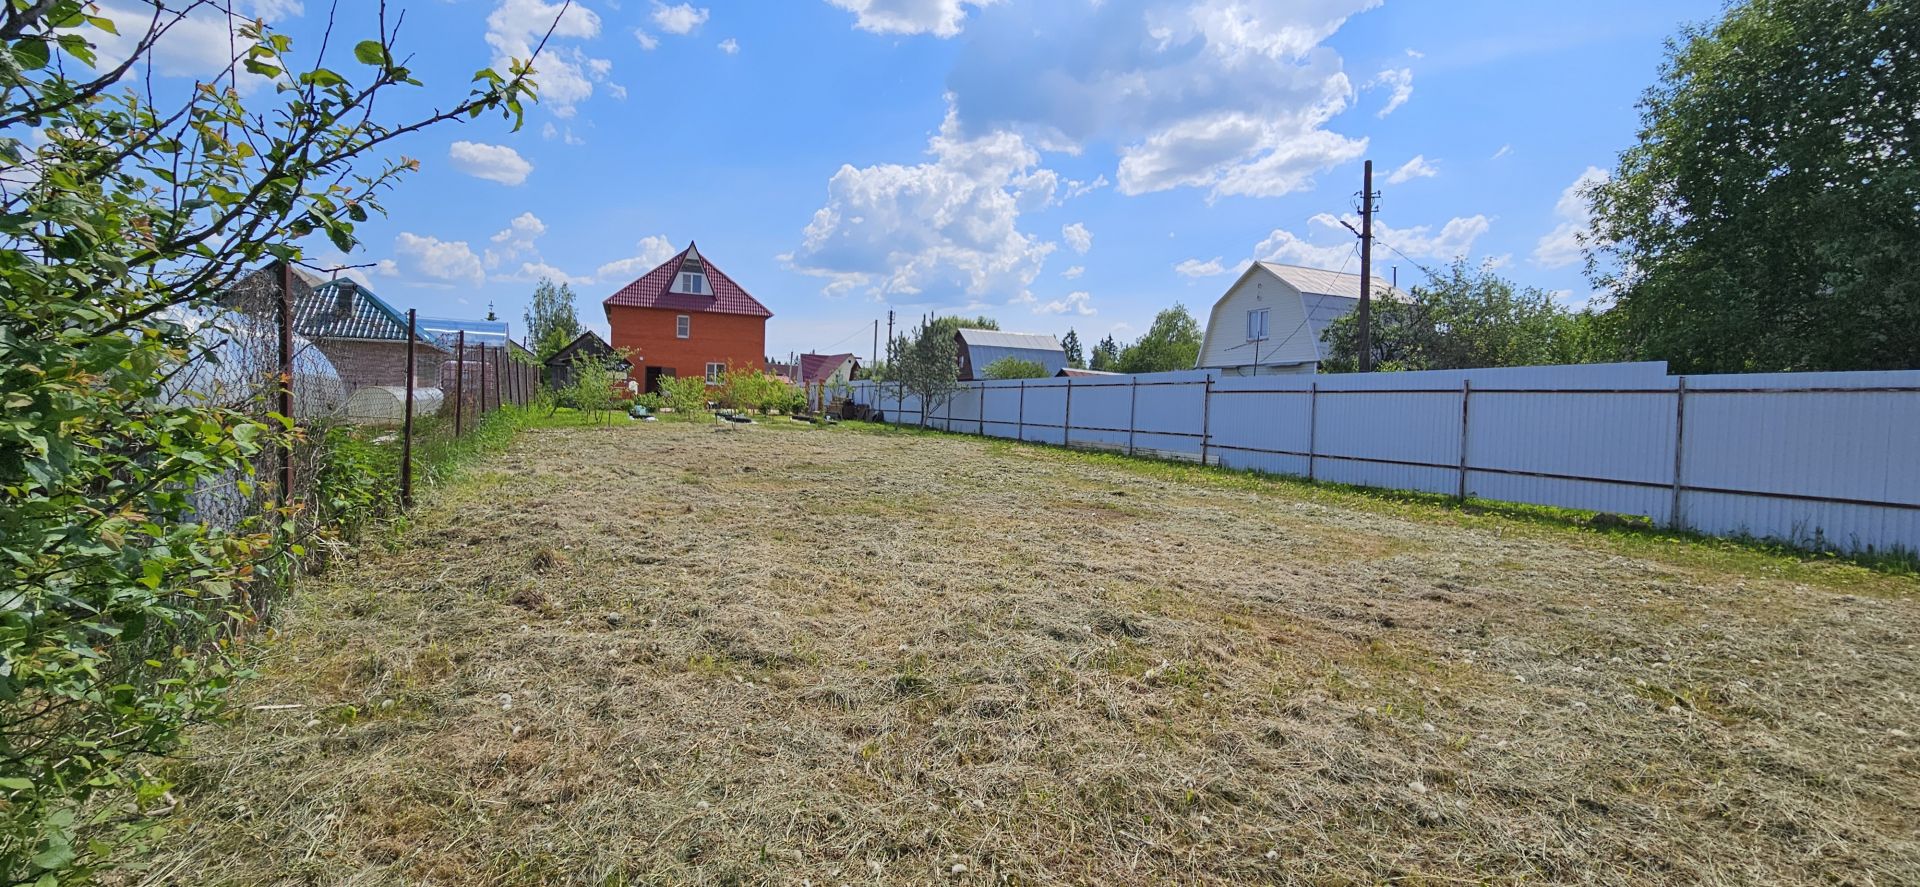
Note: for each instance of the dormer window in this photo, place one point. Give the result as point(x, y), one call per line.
point(692, 283)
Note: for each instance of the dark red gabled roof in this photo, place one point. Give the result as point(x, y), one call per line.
point(817, 367)
point(651, 291)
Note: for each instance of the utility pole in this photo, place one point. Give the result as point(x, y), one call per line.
point(1366, 269)
point(889, 334)
point(876, 343)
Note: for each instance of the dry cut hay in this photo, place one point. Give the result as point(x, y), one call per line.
point(656, 654)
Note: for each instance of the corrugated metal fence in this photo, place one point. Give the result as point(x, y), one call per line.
point(1815, 459)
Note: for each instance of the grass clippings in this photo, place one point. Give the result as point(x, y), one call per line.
point(665, 654)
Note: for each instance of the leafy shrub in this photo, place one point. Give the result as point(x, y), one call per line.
point(685, 394)
point(1015, 368)
point(354, 480)
point(126, 604)
point(790, 400)
point(749, 389)
point(652, 400)
point(592, 386)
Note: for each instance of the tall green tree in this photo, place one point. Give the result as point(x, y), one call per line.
point(926, 363)
point(1769, 217)
point(1076, 354)
point(1171, 343)
point(1106, 355)
point(1467, 317)
point(127, 602)
point(552, 322)
point(951, 325)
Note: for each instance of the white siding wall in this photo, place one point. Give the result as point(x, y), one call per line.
point(1290, 336)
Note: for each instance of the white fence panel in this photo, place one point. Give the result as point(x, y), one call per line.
point(1406, 438)
point(1263, 423)
point(1102, 411)
point(1822, 459)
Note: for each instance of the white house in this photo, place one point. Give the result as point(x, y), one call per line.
point(1270, 320)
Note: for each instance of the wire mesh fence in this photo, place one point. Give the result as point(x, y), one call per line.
point(376, 399)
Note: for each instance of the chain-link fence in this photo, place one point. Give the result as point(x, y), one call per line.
point(378, 399)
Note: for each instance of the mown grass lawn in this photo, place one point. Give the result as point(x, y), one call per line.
point(673, 653)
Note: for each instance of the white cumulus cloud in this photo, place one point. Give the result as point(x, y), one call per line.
point(495, 163)
point(436, 260)
point(538, 270)
point(1209, 268)
point(1074, 303)
point(515, 239)
point(1232, 96)
point(683, 18)
point(1562, 246)
point(565, 73)
point(941, 18)
point(1417, 168)
point(730, 46)
point(1399, 85)
point(946, 228)
point(1078, 237)
point(1332, 246)
point(649, 253)
point(1074, 272)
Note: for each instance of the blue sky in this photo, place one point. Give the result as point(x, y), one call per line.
point(1054, 164)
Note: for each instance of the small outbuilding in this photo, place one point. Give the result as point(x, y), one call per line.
point(828, 369)
point(586, 345)
point(1270, 321)
point(978, 349)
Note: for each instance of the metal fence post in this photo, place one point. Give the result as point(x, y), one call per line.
point(459, 380)
point(1313, 426)
point(499, 388)
point(1066, 425)
point(406, 426)
point(1020, 420)
point(480, 408)
point(1133, 410)
point(982, 406)
point(1466, 393)
point(1674, 517)
point(286, 381)
point(1206, 418)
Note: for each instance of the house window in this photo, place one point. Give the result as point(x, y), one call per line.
point(1256, 324)
point(713, 372)
point(692, 283)
point(682, 327)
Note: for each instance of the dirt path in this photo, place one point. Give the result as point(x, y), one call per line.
point(674, 654)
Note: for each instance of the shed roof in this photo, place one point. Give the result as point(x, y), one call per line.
point(653, 290)
point(588, 343)
point(1319, 282)
point(998, 339)
point(818, 367)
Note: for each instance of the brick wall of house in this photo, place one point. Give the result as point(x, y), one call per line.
point(365, 363)
point(737, 339)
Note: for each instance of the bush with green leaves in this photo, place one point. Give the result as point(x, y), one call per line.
point(125, 611)
point(748, 389)
point(684, 394)
point(1015, 368)
point(591, 384)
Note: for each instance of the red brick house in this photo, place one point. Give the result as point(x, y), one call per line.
point(687, 318)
